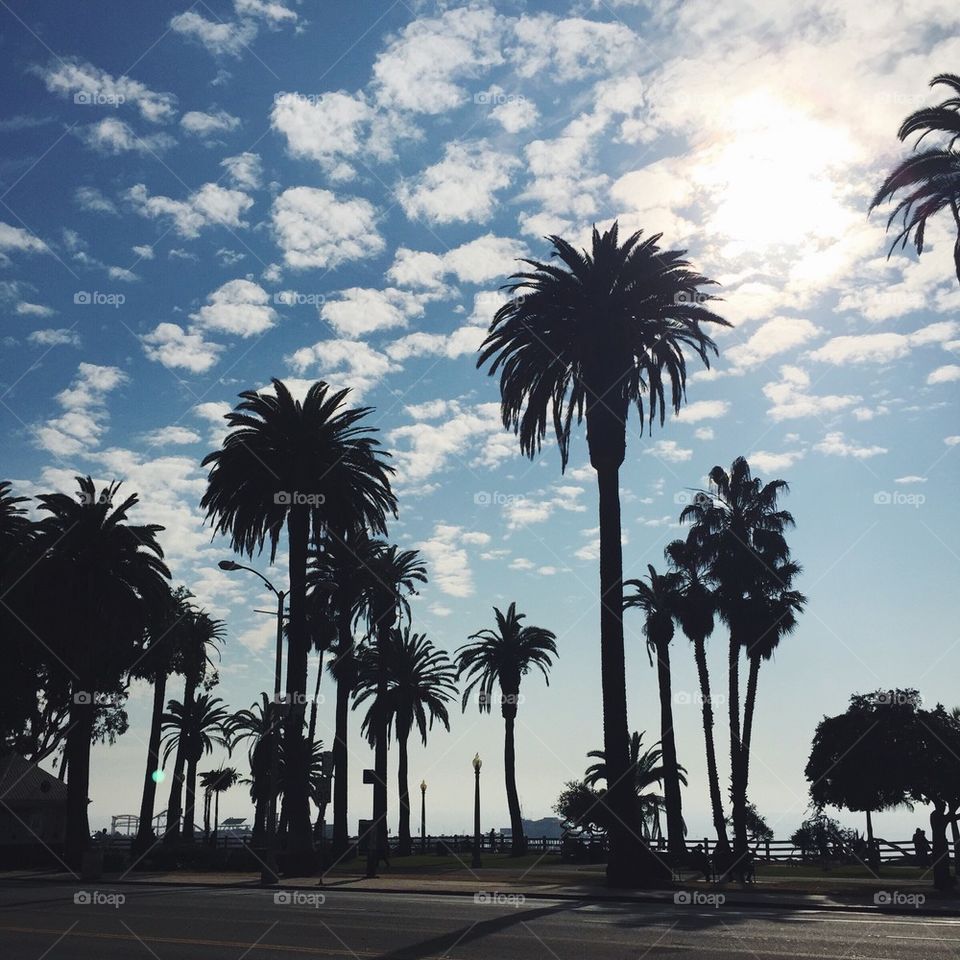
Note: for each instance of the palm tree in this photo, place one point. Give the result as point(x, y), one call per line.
point(503, 656)
point(657, 599)
point(166, 636)
point(254, 725)
point(389, 575)
point(738, 530)
point(312, 466)
point(931, 178)
point(647, 772)
point(420, 683)
point(215, 782)
point(105, 575)
point(589, 338)
point(202, 638)
point(195, 729)
point(694, 609)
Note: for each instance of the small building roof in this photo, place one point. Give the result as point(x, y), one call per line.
point(24, 782)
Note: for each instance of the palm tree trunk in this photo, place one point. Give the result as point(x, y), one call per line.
point(175, 804)
point(190, 801)
point(955, 834)
point(403, 830)
point(313, 703)
point(216, 812)
point(379, 845)
point(145, 826)
point(517, 839)
point(296, 759)
point(873, 860)
point(629, 862)
point(340, 757)
point(737, 812)
point(668, 742)
point(77, 752)
point(713, 776)
point(749, 704)
point(938, 842)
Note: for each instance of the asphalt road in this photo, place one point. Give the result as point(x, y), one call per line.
point(43, 922)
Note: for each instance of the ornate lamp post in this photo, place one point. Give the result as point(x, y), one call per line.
point(423, 816)
point(477, 763)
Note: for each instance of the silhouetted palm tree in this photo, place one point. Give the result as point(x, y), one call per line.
point(100, 575)
point(312, 466)
point(503, 656)
point(647, 771)
point(420, 683)
point(198, 727)
point(254, 725)
point(695, 608)
point(389, 575)
point(215, 782)
point(587, 338)
point(168, 630)
point(931, 177)
point(202, 638)
point(738, 529)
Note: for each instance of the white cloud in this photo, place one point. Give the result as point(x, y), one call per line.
point(90, 198)
point(164, 436)
point(221, 38)
point(486, 258)
point(239, 307)
point(704, 433)
point(459, 188)
point(211, 205)
point(450, 345)
point(19, 240)
point(765, 462)
point(315, 229)
point(952, 441)
point(273, 11)
point(244, 170)
point(122, 273)
point(86, 84)
point(883, 347)
point(114, 136)
point(361, 310)
point(703, 410)
point(27, 309)
point(54, 338)
point(522, 511)
point(946, 374)
point(774, 337)
point(791, 400)
point(911, 479)
point(174, 347)
point(430, 409)
point(448, 561)
point(668, 450)
point(836, 445)
point(143, 251)
point(345, 363)
point(85, 416)
point(206, 125)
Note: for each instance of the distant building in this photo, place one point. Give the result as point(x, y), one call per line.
point(33, 812)
point(549, 827)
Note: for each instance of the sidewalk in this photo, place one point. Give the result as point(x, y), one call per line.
point(494, 885)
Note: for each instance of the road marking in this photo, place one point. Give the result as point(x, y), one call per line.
point(891, 936)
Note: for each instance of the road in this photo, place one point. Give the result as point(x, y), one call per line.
point(43, 922)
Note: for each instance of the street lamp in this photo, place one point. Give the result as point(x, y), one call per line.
point(477, 763)
point(423, 816)
point(268, 873)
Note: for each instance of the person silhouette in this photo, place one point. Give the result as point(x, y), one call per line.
point(921, 846)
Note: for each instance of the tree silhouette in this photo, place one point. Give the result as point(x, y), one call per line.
point(312, 466)
point(502, 657)
point(586, 339)
point(931, 178)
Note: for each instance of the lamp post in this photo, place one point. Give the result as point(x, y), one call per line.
point(423, 816)
point(268, 872)
point(477, 763)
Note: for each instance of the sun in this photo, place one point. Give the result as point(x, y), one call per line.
point(771, 181)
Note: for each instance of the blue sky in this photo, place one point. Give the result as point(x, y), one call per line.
point(195, 199)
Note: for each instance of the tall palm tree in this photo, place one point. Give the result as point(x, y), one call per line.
point(312, 466)
point(695, 609)
point(930, 178)
point(739, 529)
point(389, 576)
point(215, 782)
point(586, 338)
point(203, 636)
point(166, 637)
point(502, 657)
point(647, 772)
point(656, 597)
point(105, 573)
point(195, 728)
point(420, 683)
